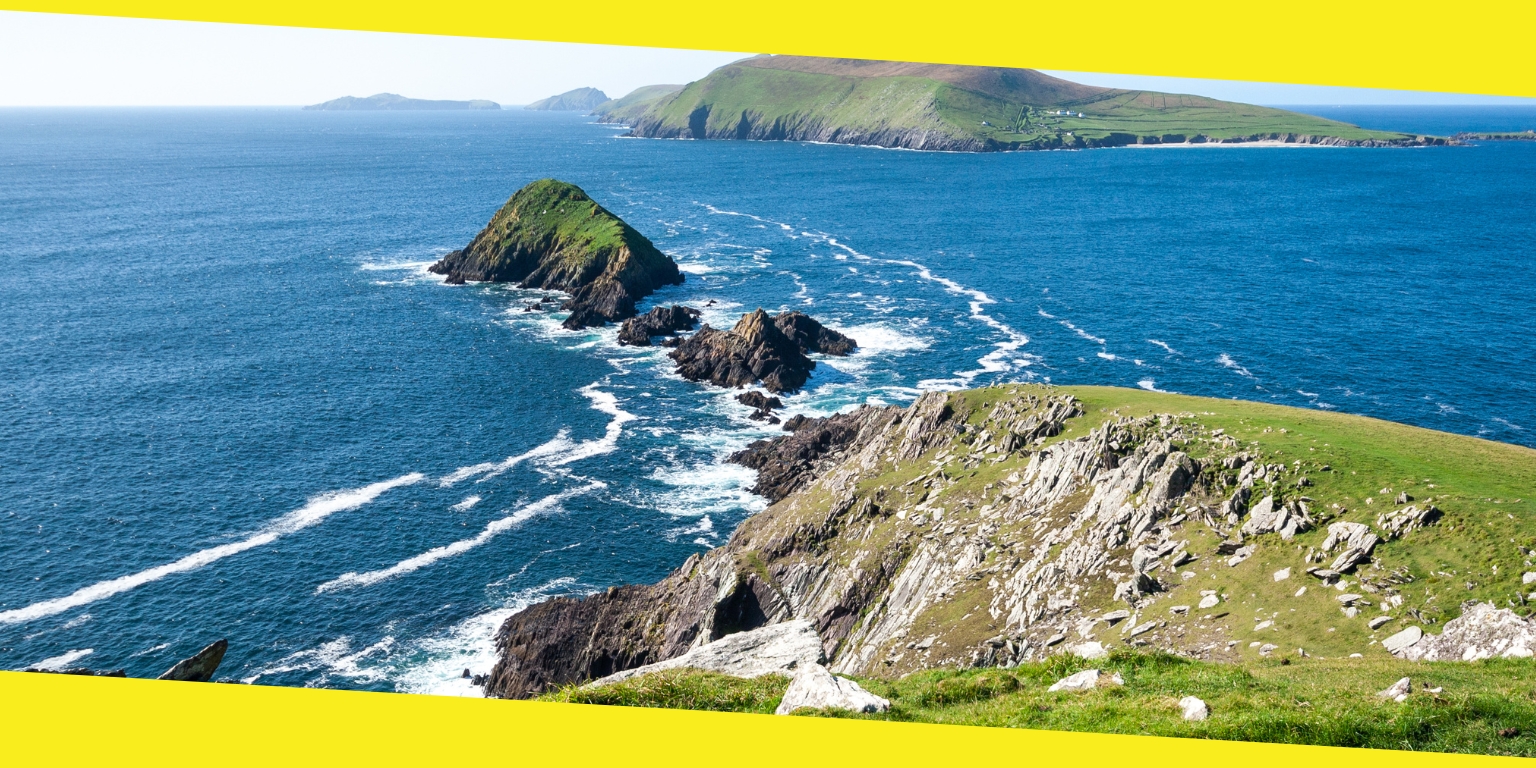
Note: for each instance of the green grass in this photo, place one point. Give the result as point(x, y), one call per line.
point(683, 689)
point(1485, 707)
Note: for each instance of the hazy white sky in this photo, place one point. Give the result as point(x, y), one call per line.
point(49, 60)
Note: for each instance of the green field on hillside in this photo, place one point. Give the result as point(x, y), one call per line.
point(1486, 707)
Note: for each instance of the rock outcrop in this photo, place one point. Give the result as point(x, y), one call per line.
point(989, 528)
point(763, 404)
point(551, 235)
point(200, 666)
point(772, 650)
point(759, 348)
point(1482, 631)
point(814, 687)
point(662, 321)
point(786, 464)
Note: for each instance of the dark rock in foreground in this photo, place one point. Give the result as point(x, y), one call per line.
point(551, 235)
point(786, 464)
point(199, 667)
point(759, 349)
point(661, 321)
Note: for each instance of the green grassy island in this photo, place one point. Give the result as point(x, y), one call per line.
point(956, 108)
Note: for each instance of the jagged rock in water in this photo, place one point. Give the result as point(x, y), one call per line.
point(812, 336)
point(786, 464)
point(756, 349)
point(774, 649)
point(200, 666)
point(814, 687)
point(1482, 631)
point(551, 235)
point(763, 404)
point(662, 321)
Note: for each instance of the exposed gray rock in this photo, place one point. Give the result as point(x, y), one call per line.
point(1086, 680)
point(199, 667)
point(774, 649)
point(816, 688)
point(1398, 691)
point(1378, 622)
point(1357, 540)
point(1194, 709)
point(1397, 524)
point(1089, 650)
point(1482, 631)
point(1403, 640)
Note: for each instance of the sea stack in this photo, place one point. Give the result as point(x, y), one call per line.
point(551, 235)
point(760, 348)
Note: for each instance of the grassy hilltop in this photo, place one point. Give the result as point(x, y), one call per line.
point(959, 108)
point(1279, 659)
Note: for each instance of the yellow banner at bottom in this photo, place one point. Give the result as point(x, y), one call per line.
point(63, 719)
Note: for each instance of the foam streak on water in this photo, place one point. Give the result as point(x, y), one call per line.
point(416, 563)
point(317, 510)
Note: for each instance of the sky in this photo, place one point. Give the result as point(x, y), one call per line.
point(54, 60)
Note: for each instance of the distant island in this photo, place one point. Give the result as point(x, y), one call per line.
point(956, 108)
point(579, 100)
point(394, 101)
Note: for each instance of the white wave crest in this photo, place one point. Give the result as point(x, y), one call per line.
point(1226, 361)
point(1166, 348)
point(490, 469)
point(416, 563)
point(607, 403)
point(63, 660)
point(467, 504)
point(318, 508)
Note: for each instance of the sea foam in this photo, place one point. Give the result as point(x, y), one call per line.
point(317, 510)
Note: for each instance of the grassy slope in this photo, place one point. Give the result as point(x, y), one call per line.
point(1474, 553)
point(1305, 701)
point(1487, 491)
point(876, 103)
point(634, 103)
point(549, 211)
point(860, 103)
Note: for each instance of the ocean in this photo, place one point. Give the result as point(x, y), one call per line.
point(236, 405)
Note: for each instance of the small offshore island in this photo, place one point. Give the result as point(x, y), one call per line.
point(941, 107)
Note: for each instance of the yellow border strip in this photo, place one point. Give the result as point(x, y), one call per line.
point(58, 719)
point(1415, 45)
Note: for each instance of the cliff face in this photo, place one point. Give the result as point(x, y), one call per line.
point(550, 234)
point(991, 527)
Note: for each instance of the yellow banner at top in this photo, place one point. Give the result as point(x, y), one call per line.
point(1484, 48)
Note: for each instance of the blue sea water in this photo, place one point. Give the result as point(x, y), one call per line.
point(234, 404)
